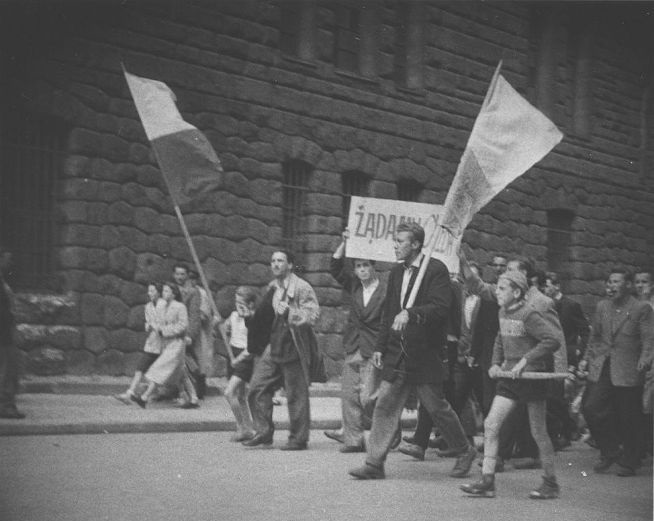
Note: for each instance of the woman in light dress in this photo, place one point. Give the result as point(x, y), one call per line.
point(168, 368)
point(152, 349)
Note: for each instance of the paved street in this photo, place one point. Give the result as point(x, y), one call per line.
point(202, 476)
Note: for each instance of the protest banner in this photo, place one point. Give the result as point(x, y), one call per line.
point(187, 160)
point(372, 224)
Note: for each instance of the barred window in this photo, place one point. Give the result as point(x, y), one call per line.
point(32, 150)
point(408, 190)
point(289, 29)
point(353, 183)
point(347, 38)
point(559, 239)
point(294, 196)
point(297, 30)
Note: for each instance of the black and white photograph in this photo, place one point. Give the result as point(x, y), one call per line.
point(326, 260)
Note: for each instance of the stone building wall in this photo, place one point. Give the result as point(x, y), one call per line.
point(260, 107)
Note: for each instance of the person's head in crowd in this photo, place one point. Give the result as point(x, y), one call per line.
point(644, 283)
point(538, 280)
point(511, 288)
point(409, 238)
point(281, 264)
point(619, 284)
point(181, 273)
point(364, 269)
point(245, 300)
point(476, 269)
point(170, 291)
point(154, 291)
point(194, 277)
point(498, 264)
point(552, 285)
point(523, 265)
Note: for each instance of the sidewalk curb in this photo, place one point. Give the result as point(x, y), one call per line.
point(140, 427)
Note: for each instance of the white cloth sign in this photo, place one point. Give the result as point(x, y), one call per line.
point(372, 224)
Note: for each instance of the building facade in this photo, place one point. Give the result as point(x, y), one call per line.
point(306, 103)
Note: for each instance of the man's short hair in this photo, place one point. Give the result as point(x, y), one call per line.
point(175, 289)
point(637, 271)
point(372, 262)
point(416, 231)
point(628, 275)
point(553, 278)
point(290, 258)
point(247, 293)
point(193, 275)
point(182, 266)
point(525, 264)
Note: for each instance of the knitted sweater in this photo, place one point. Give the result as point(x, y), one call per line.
point(524, 332)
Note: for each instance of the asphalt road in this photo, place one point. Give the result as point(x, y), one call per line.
point(202, 476)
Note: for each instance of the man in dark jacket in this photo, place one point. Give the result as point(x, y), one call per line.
point(360, 378)
point(8, 350)
point(409, 350)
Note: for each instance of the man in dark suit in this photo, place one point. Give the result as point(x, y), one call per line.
point(8, 350)
point(576, 330)
point(619, 352)
point(409, 350)
point(360, 378)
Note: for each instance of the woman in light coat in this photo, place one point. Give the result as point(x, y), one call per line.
point(168, 368)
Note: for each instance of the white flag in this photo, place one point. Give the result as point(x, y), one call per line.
point(509, 136)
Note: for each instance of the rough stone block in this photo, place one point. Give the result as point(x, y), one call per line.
point(110, 362)
point(46, 360)
point(115, 312)
point(61, 337)
point(92, 308)
point(133, 294)
point(121, 213)
point(331, 345)
point(136, 318)
point(42, 307)
point(126, 340)
point(96, 339)
point(73, 211)
point(150, 267)
point(80, 362)
point(122, 262)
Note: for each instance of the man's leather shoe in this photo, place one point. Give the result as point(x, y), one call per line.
point(334, 435)
point(11, 413)
point(138, 401)
point(258, 439)
point(294, 446)
point(464, 462)
point(348, 449)
point(368, 471)
point(605, 463)
point(624, 471)
point(527, 463)
point(397, 438)
point(413, 450)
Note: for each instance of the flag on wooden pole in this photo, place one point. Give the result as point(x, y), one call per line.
point(187, 160)
point(509, 136)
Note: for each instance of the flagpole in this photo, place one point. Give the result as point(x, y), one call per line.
point(203, 278)
point(431, 245)
point(178, 212)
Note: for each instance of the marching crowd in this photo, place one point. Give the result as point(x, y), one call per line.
point(515, 350)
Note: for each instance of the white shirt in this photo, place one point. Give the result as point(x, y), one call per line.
point(368, 291)
point(470, 303)
point(406, 278)
point(238, 331)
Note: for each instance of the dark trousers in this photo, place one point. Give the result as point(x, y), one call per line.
point(390, 402)
point(269, 376)
point(465, 381)
point(614, 416)
point(9, 369)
